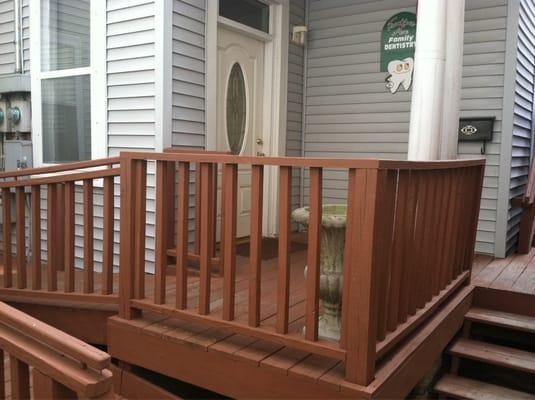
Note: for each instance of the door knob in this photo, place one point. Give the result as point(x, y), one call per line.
point(259, 141)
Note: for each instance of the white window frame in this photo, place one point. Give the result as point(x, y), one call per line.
point(96, 71)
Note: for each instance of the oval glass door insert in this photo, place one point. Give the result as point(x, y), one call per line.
point(236, 109)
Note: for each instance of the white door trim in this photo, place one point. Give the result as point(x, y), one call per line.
point(275, 95)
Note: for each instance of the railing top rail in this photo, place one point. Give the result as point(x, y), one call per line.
point(54, 338)
point(217, 157)
point(78, 176)
point(61, 167)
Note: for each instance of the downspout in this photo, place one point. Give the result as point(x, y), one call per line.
point(304, 106)
point(18, 36)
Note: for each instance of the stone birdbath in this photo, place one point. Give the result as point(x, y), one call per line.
point(333, 224)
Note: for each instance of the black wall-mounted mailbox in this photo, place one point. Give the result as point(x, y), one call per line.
point(476, 129)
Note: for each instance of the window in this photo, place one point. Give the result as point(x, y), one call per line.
point(236, 113)
point(67, 71)
point(252, 13)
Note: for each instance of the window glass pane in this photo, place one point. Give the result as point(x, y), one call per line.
point(252, 13)
point(66, 118)
point(64, 34)
point(236, 109)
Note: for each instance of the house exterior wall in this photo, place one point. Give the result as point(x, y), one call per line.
point(349, 112)
point(522, 143)
point(7, 37)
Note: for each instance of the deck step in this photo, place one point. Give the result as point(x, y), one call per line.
point(464, 388)
point(502, 319)
point(502, 356)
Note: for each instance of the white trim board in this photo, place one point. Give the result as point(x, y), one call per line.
point(275, 93)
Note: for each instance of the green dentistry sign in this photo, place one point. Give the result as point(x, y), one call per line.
point(398, 40)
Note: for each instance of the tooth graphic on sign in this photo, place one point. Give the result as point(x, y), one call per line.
point(400, 74)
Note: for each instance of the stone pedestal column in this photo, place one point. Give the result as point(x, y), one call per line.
point(331, 265)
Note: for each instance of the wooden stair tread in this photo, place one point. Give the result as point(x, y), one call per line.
point(494, 354)
point(464, 388)
point(502, 319)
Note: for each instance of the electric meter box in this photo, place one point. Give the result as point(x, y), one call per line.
point(18, 154)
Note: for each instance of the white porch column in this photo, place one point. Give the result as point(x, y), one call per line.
point(428, 82)
point(452, 79)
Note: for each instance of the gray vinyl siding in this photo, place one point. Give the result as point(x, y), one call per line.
point(188, 125)
point(295, 97)
point(7, 37)
point(131, 119)
point(523, 114)
point(349, 112)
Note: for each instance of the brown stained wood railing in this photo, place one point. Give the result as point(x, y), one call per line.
point(409, 241)
point(61, 365)
point(53, 192)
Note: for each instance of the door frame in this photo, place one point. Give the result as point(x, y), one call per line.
point(275, 92)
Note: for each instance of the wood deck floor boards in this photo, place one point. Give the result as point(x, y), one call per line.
point(509, 275)
point(488, 274)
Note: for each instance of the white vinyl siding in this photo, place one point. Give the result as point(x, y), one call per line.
point(188, 101)
point(349, 112)
point(7, 37)
point(523, 114)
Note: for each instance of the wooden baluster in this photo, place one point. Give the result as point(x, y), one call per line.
point(313, 255)
point(20, 379)
point(2, 375)
point(51, 230)
point(140, 171)
point(60, 225)
point(386, 197)
point(46, 388)
point(21, 237)
point(161, 232)
point(170, 202)
point(228, 237)
point(407, 286)
point(36, 237)
point(477, 182)
point(127, 241)
point(213, 218)
point(255, 276)
point(440, 228)
point(108, 240)
point(445, 269)
point(8, 257)
point(430, 216)
point(68, 255)
point(464, 204)
point(362, 272)
point(198, 197)
point(88, 237)
point(417, 269)
point(398, 250)
point(283, 284)
point(182, 236)
point(206, 233)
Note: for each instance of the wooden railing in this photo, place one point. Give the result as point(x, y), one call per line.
point(410, 239)
point(61, 366)
point(61, 183)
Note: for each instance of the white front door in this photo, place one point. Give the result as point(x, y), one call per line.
point(239, 108)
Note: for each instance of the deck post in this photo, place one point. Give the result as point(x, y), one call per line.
point(127, 237)
point(361, 274)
